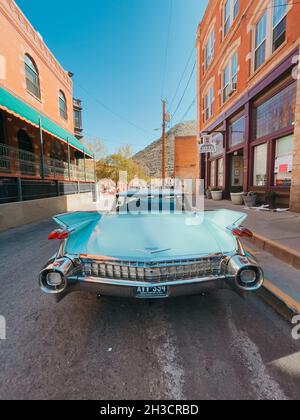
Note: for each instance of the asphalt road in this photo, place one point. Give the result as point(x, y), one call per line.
point(218, 346)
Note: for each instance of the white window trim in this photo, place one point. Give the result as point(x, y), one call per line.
point(231, 17)
point(267, 7)
point(212, 48)
point(209, 101)
point(231, 76)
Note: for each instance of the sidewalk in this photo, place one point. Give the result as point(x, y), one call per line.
point(283, 228)
point(276, 245)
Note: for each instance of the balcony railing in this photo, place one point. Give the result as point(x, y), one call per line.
point(17, 161)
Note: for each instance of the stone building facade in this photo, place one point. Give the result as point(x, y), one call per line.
point(150, 159)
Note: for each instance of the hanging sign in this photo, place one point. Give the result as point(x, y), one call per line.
point(207, 146)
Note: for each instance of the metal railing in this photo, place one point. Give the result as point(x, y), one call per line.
point(17, 161)
point(14, 160)
point(56, 168)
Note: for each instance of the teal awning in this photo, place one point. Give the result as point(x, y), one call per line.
point(13, 105)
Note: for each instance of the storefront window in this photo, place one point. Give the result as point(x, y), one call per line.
point(218, 141)
point(220, 173)
point(212, 173)
point(237, 132)
point(260, 165)
point(276, 113)
point(283, 162)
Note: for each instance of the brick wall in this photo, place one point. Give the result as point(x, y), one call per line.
point(186, 157)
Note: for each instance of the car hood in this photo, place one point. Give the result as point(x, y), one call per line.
point(152, 237)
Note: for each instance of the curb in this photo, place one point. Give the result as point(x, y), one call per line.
point(282, 303)
point(282, 252)
point(279, 301)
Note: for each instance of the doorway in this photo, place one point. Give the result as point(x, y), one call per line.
point(237, 171)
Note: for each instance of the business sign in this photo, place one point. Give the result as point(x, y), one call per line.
point(207, 146)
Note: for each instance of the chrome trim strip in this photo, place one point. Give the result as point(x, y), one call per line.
point(125, 283)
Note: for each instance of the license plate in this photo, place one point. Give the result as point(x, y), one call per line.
point(152, 292)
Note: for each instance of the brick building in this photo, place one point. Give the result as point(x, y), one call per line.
point(249, 97)
point(39, 153)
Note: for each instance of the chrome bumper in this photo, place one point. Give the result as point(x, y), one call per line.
point(127, 289)
point(74, 281)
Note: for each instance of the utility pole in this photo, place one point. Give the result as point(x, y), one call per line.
point(164, 143)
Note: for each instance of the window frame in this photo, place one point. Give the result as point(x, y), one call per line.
point(62, 99)
point(209, 101)
point(31, 68)
point(234, 9)
point(233, 77)
point(274, 153)
point(274, 27)
point(264, 41)
point(269, 10)
point(235, 120)
point(220, 162)
point(254, 148)
point(209, 46)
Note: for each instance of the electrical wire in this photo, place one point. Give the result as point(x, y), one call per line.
point(188, 110)
point(167, 49)
point(184, 92)
point(182, 77)
point(116, 114)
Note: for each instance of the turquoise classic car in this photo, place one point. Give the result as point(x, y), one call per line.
point(150, 245)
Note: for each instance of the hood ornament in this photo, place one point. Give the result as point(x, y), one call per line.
point(151, 251)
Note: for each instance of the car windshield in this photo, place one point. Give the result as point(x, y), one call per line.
point(151, 203)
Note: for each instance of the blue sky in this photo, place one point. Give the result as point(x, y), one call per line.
point(117, 50)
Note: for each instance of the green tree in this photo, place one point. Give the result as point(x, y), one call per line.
point(111, 166)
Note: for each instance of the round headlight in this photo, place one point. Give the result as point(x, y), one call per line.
point(54, 279)
point(248, 276)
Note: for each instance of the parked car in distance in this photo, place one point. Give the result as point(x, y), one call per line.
point(151, 245)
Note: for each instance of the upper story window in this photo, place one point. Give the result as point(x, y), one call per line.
point(230, 77)
point(230, 12)
point(260, 41)
point(279, 23)
point(209, 103)
point(32, 77)
point(210, 49)
point(77, 119)
point(270, 32)
point(63, 109)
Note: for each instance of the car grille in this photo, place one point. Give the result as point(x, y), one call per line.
point(154, 272)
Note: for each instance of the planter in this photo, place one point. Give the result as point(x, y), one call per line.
point(237, 199)
point(250, 200)
point(208, 195)
point(217, 195)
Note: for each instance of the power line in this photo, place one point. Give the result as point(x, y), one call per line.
point(185, 90)
point(271, 7)
point(188, 110)
point(167, 48)
point(182, 77)
point(116, 114)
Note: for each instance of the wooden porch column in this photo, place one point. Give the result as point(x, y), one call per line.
point(69, 159)
point(84, 166)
